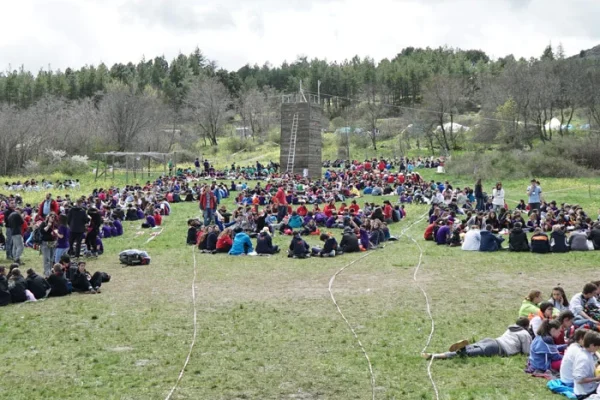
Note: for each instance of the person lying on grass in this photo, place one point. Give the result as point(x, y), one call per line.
point(516, 340)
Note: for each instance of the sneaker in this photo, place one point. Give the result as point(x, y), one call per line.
point(19, 262)
point(97, 289)
point(426, 356)
point(459, 346)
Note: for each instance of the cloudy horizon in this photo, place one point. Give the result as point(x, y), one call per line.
point(74, 33)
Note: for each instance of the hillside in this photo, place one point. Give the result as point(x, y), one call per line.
point(593, 53)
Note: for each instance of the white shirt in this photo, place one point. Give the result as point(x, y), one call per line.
point(584, 366)
point(498, 197)
point(471, 240)
point(566, 366)
point(535, 324)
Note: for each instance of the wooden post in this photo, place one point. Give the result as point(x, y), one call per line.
point(112, 165)
point(105, 167)
point(126, 169)
point(165, 164)
point(97, 168)
point(134, 167)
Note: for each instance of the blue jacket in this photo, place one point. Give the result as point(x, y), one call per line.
point(240, 242)
point(489, 241)
point(543, 351)
point(295, 221)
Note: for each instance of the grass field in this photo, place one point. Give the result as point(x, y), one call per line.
point(267, 328)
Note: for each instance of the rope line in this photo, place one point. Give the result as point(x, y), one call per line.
point(428, 306)
point(187, 360)
point(348, 323)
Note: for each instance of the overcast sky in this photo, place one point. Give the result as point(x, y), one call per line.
point(63, 33)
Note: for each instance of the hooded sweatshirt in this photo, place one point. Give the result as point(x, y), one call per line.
point(514, 341)
point(517, 241)
point(543, 351)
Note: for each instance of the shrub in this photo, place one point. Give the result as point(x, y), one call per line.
point(236, 144)
point(71, 167)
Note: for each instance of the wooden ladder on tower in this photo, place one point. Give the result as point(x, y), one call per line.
point(292, 150)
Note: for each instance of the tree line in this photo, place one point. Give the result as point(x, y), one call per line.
point(156, 104)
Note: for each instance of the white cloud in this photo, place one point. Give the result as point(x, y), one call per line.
point(73, 33)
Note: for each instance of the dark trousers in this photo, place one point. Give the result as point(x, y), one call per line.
point(75, 239)
point(534, 206)
point(90, 241)
point(484, 348)
point(96, 280)
point(281, 212)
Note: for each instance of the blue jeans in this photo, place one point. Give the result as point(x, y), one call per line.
point(58, 253)
point(8, 244)
point(208, 216)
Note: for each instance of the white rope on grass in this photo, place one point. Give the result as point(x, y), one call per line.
point(151, 238)
point(348, 323)
point(187, 360)
point(344, 317)
point(437, 395)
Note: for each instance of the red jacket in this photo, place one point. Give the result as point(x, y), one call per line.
point(54, 207)
point(280, 196)
point(213, 200)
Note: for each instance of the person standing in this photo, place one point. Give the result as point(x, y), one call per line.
point(48, 247)
point(15, 225)
point(282, 205)
point(93, 230)
point(8, 245)
point(197, 165)
point(76, 219)
point(534, 191)
point(208, 204)
point(498, 197)
point(479, 196)
point(62, 234)
point(48, 205)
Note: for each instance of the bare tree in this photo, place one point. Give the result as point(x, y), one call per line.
point(445, 97)
point(126, 115)
point(209, 102)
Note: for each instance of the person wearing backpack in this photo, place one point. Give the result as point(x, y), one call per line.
point(37, 285)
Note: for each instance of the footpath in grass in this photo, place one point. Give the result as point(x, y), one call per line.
point(267, 328)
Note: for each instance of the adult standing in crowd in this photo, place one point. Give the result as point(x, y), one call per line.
point(8, 245)
point(48, 205)
point(498, 197)
point(479, 196)
point(208, 204)
point(48, 247)
point(93, 230)
point(282, 205)
point(534, 191)
point(15, 224)
point(76, 219)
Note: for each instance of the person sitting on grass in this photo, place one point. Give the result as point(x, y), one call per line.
point(224, 241)
point(150, 221)
point(583, 301)
point(539, 242)
point(264, 243)
point(242, 245)
point(545, 314)
point(578, 240)
point(211, 239)
point(4, 292)
point(545, 354)
point(298, 247)
point(516, 340)
point(17, 286)
point(349, 243)
point(330, 248)
point(558, 298)
point(584, 367)
point(37, 285)
point(472, 239)
point(442, 236)
point(489, 241)
point(84, 282)
point(192, 231)
point(558, 240)
point(566, 366)
point(529, 306)
point(517, 240)
point(59, 286)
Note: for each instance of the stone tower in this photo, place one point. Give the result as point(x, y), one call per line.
point(307, 158)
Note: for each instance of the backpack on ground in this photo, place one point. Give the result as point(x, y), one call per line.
point(134, 257)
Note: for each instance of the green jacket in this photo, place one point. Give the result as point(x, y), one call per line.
point(527, 308)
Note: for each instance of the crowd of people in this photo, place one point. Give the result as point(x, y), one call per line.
point(472, 220)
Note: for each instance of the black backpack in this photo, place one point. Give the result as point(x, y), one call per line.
point(37, 236)
point(134, 257)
